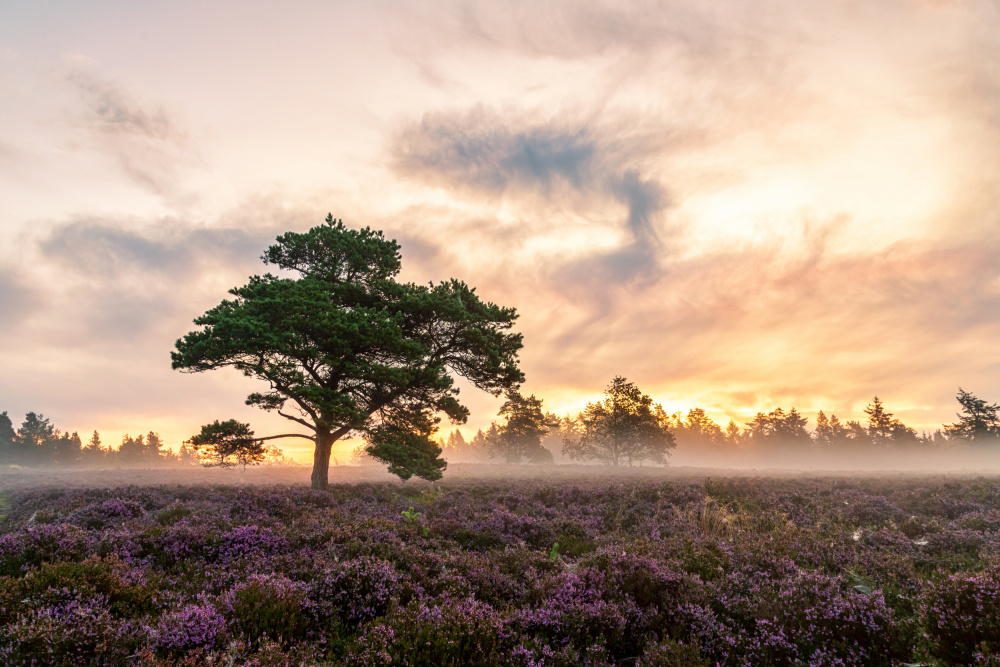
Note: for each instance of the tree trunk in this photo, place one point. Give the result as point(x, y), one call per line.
point(321, 462)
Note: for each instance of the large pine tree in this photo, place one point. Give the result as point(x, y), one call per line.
point(345, 348)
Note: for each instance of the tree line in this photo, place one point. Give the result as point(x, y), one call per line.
point(627, 428)
point(38, 442)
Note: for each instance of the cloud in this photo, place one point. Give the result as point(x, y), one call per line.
point(129, 280)
point(645, 200)
point(114, 250)
point(17, 300)
point(700, 144)
point(148, 141)
point(790, 328)
point(568, 29)
point(480, 151)
point(498, 155)
point(787, 319)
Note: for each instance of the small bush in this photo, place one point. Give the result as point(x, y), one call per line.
point(98, 516)
point(452, 634)
point(191, 627)
point(672, 654)
point(250, 542)
point(814, 620)
point(35, 544)
point(267, 606)
point(67, 634)
point(962, 616)
point(354, 592)
point(572, 608)
point(86, 579)
point(172, 514)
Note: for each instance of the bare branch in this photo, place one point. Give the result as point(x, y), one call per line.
point(297, 420)
point(286, 435)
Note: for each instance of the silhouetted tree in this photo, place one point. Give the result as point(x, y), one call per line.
point(697, 430)
point(937, 439)
point(355, 351)
point(519, 437)
point(66, 449)
point(902, 434)
point(623, 429)
point(34, 438)
point(858, 434)
point(883, 429)
point(560, 429)
point(879, 422)
point(457, 448)
point(456, 442)
point(8, 439)
point(274, 456)
point(132, 451)
point(187, 455)
point(977, 422)
point(480, 446)
point(734, 434)
point(829, 433)
point(154, 447)
point(93, 451)
point(227, 444)
point(778, 427)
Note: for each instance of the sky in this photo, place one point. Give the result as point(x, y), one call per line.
point(736, 205)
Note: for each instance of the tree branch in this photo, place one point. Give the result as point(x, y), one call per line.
point(297, 420)
point(341, 432)
point(286, 435)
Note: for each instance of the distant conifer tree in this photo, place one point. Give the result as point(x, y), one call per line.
point(978, 421)
point(519, 437)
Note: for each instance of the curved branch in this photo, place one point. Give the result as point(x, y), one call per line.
point(297, 420)
point(285, 435)
point(340, 433)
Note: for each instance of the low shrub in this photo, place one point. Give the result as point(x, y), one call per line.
point(194, 626)
point(354, 592)
point(672, 654)
point(111, 512)
point(450, 634)
point(267, 606)
point(68, 634)
point(962, 616)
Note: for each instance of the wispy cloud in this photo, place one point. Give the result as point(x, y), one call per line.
point(485, 152)
point(122, 279)
point(496, 155)
point(17, 300)
point(112, 250)
point(151, 145)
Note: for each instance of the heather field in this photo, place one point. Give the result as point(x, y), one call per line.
point(570, 570)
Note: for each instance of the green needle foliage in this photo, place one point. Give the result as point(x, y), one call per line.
point(346, 349)
point(227, 444)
